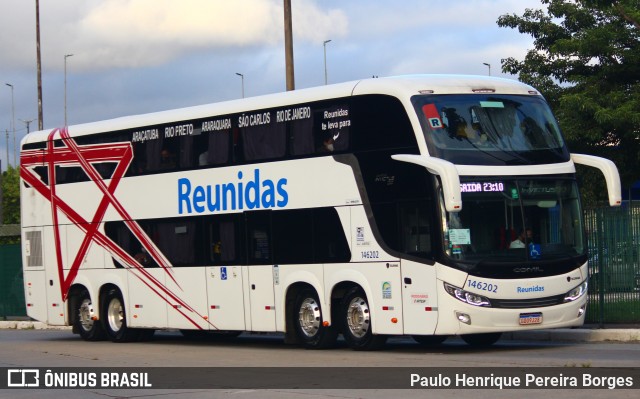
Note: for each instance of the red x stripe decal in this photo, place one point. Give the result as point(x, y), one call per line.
point(71, 154)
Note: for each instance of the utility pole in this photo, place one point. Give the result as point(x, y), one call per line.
point(7, 131)
point(13, 124)
point(40, 118)
point(27, 123)
point(288, 45)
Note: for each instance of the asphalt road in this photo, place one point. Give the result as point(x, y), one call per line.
point(48, 348)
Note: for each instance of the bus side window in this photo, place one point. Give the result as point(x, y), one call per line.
point(330, 241)
point(293, 236)
point(216, 145)
point(186, 155)
point(259, 245)
point(236, 150)
point(264, 141)
point(225, 240)
point(301, 136)
point(172, 237)
point(168, 158)
point(331, 128)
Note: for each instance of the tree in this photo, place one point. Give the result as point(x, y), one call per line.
point(11, 201)
point(11, 195)
point(586, 62)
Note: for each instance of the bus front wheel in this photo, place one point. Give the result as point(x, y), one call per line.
point(309, 323)
point(356, 322)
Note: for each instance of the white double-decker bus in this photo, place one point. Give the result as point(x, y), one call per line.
point(427, 206)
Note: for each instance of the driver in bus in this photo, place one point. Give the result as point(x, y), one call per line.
point(525, 237)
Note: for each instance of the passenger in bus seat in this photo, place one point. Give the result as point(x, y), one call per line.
point(327, 145)
point(142, 257)
point(167, 159)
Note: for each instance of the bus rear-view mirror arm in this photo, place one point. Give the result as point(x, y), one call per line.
point(610, 172)
point(448, 176)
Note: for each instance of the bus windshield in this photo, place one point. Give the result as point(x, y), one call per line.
point(519, 220)
point(490, 129)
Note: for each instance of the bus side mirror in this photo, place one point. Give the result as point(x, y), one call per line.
point(610, 172)
point(448, 176)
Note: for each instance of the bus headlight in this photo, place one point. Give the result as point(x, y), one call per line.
point(576, 292)
point(467, 297)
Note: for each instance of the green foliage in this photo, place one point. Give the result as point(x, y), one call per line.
point(11, 195)
point(586, 61)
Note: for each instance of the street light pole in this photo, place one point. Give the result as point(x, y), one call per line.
point(489, 66)
point(324, 44)
point(13, 126)
point(65, 87)
point(242, 78)
point(39, 67)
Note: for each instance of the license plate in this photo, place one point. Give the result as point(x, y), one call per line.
point(530, 318)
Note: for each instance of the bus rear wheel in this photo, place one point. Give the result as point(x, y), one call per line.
point(356, 322)
point(86, 323)
point(309, 322)
point(114, 318)
point(480, 340)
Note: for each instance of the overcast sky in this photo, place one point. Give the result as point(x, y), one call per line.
point(138, 56)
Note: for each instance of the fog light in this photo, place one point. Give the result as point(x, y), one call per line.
point(582, 310)
point(463, 317)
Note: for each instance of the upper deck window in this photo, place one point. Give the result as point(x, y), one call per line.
point(490, 129)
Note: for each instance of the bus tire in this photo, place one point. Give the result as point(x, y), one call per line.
point(430, 340)
point(114, 318)
point(309, 322)
point(86, 324)
point(481, 340)
point(356, 322)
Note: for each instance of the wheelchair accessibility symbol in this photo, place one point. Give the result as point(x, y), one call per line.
point(223, 273)
point(534, 251)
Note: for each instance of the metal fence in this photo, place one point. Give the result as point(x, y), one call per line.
point(11, 286)
point(613, 236)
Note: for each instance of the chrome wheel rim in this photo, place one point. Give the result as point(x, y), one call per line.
point(86, 314)
point(358, 317)
point(309, 317)
point(115, 315)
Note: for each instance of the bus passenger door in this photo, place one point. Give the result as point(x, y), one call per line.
point(260, 275)
point(419, 298)
point(261, 298)
point(225, 298)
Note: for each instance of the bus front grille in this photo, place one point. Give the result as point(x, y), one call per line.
point(527, 303)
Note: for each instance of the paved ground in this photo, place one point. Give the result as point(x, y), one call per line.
point(588, 333)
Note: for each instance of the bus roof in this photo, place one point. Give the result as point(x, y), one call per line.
point(403, 87)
